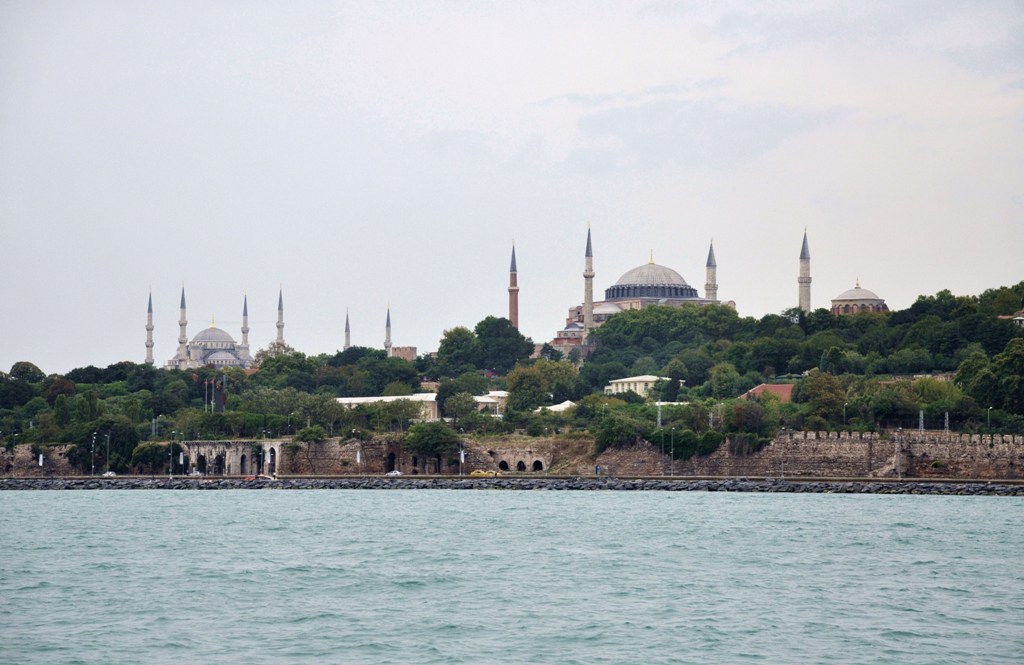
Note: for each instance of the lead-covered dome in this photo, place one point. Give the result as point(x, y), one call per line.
point(857, 300)
point(651, 281)
point(212, 334)
point(857, 293)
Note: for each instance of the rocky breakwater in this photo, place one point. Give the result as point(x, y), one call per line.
point(577, 483)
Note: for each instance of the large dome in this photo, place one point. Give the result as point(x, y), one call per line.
point(651, 281)
point(857, 293)
point(651, 274)
point(212, 334)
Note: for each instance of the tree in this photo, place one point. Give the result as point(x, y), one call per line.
point(26, 371)
point(526, 388)
point(824, 395)
point(311, 434)
point(459, 405)
point(149, 455)
point(433, 438)
point(500, 345)
point(458, 352)
point(620, 430)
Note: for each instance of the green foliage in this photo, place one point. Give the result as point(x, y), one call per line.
point(620, 430)
point(311, 434)
point(432, 438)
point(149, 456)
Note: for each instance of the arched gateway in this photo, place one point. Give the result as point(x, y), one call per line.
point(231, 458)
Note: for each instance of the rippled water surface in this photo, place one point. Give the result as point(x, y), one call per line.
point(509, 577)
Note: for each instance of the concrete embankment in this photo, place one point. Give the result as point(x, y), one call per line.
point(556, 484)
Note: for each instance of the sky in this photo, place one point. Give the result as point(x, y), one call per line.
point(364, 155)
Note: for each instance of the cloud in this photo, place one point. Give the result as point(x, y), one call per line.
point(692, 133)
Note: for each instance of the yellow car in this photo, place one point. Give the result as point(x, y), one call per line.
point(485, 473)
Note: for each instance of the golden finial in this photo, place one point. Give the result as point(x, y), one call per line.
point(858, 282)
point(651, 260)
point(213, 321)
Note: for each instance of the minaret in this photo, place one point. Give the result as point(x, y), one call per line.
point(348, 334)
point(244, 346)
point(280, 318)
point(588, 289)
point(513, 292)
point(387, 334)
point(711, 286)
point(149, 330)
point(182, 335)
point(804, 280)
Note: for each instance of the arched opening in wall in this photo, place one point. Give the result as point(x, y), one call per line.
point(218, 465)
point(538, 465)
point(503, 465)
point(390, 462)
point(437, 465)
point(243, 466)
point(272, 461)
point(201, 464)
point(520, 466)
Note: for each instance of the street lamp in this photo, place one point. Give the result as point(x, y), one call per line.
point(92, 455)
point(990, 417)
point(462, 450)
point(108, 452)
point(845, 404)
point(663, 450)
point(672, 460)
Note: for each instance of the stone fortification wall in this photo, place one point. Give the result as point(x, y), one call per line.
point(21, 463)
point(870, 454)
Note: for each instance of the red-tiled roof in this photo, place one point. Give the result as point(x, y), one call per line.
point(784, 391)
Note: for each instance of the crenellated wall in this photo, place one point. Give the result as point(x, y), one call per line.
point(870, 454)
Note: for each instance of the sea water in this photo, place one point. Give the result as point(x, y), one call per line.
point(423, 576)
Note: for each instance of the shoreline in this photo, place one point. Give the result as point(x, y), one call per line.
point(577, 483)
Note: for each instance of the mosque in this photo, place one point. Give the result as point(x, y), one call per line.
point(653, 284)
point(643, 286)
point(212, 347)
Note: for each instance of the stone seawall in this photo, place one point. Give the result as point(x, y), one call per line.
point(523, 484)
point(870, 454)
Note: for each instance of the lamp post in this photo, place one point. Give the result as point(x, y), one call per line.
point(92, 455)
point(663, 450)
point(672, 457)
point(990, 418)
point(845, 404)
point(462, 450)
point(108, 452)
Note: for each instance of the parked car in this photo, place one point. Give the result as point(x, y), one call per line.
point(394, 472)
point(109, 474)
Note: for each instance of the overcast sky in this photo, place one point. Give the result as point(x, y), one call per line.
point(359, 154)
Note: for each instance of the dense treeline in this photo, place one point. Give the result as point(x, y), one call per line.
point(849, 371)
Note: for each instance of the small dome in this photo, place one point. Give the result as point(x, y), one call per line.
point(651, 274)
point(857, 293)
point(221, 355)
point(212, 334)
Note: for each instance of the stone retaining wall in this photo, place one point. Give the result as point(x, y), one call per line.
point(521, 484)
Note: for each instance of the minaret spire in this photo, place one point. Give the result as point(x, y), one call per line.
point(711, 285)
point(280, 317)
point(513, 291)
point(588, 289)
point(244, 346)
point(804, 280)
point(182, 334)
point(387, 333)
point(348, 333)
point(149, 330)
